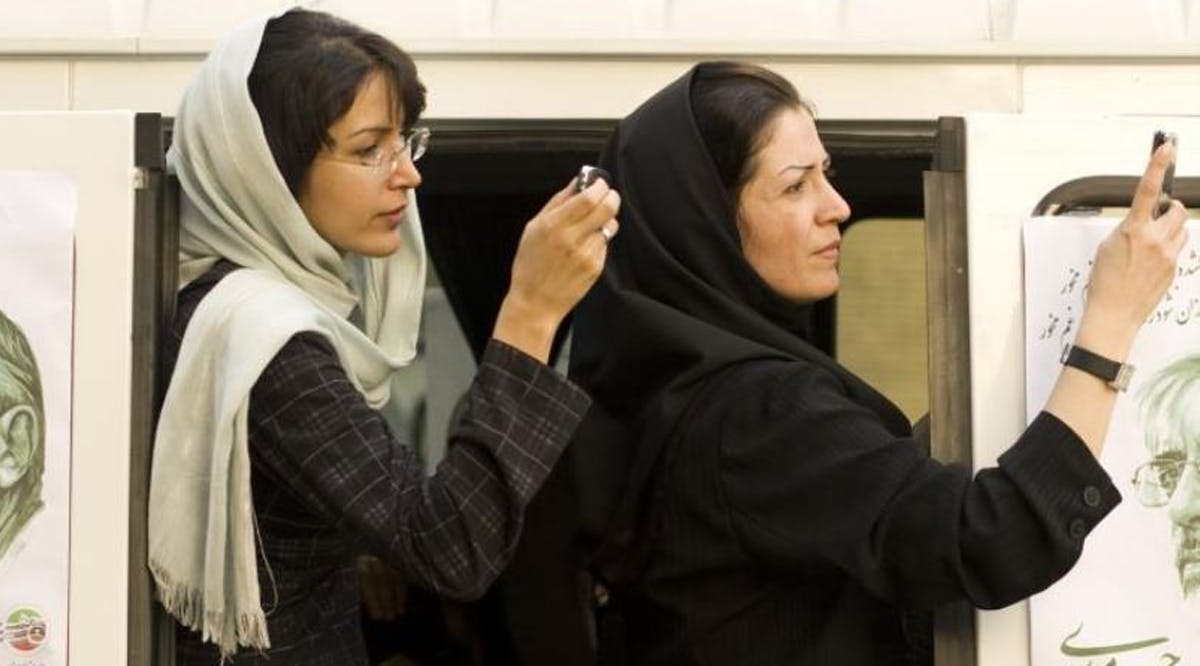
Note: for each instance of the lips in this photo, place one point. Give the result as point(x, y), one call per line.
point(831, 250)
point(394, 216)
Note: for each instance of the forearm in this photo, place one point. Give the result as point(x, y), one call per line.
point(454, 532)
point(461, 527)
point(992, 537)
point(866, 498)
point(337, 456)
point(1018, 526)
point(522, 326)
point(1085, 402)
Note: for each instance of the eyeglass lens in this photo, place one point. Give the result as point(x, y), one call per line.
point(1155, 481)
point(413, 143)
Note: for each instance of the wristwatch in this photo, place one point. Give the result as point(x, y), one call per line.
point(1116, 374)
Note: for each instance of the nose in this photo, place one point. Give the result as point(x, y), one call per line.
point(1185, 502)
point(834, 208)
point(404, 174)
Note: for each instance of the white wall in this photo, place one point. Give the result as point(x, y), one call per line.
point(610, 85)
point(857, 59)
point(862, 21)
point(570, 58)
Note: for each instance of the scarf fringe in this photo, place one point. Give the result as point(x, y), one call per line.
point(186, 604)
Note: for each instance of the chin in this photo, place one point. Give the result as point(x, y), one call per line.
point(1189, 584)
point(813, 291)
point(379, 247)
point(1187, 564)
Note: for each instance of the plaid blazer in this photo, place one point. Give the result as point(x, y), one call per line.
point(330, 482)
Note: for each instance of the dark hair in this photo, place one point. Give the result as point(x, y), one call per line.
point(306, 75)
point(734, 103)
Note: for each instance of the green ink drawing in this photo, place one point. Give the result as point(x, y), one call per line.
point(22, 433)
point(1105, 650)
point(1170, 413)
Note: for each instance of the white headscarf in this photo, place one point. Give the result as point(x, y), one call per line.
point(237, 206)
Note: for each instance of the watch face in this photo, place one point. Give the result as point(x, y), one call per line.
point(1124, 375)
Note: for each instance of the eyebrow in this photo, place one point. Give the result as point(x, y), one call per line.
point(805, 167)
point(374, 129)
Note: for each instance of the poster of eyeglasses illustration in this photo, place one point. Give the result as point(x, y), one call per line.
point(1134, 596)
point(37, 216)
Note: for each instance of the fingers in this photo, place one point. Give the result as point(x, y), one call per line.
point(565, 194)
point(609, 229)
point(1176, 242)
point(368, 578)
point(372, 603)
point(1145, 198)
point(559, 198)
point(383, 594)
point(1174, 218)
point(587, 211)
point(597, 241)
point(400, 590)
point(1175, 231)
point(601, 218)
point(387, 600)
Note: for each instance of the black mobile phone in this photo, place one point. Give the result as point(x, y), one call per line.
point(588, 175)
point(1168, 184)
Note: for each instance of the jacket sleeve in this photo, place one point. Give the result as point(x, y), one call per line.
point(452, 532)
point(811, 478)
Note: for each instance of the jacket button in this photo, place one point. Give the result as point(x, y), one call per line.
point(1091, 496)
point(1078, 529)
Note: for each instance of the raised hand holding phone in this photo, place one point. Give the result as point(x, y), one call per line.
point(1134, 266)
point(560, 255)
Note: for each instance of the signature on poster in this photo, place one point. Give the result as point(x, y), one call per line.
point(1148, 651)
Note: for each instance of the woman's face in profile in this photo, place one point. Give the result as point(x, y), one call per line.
point(354, 193)
point(789, 212)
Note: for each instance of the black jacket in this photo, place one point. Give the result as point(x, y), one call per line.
point(746, 499)
point(330, 482)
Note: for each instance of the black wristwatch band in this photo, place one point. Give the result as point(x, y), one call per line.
point(1116, 374)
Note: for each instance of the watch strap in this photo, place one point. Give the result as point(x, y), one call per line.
point(1114, 373)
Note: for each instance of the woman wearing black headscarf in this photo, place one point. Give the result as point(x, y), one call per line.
point(777, 509)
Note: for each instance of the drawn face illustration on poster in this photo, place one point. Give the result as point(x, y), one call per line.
point(22, 434)
point(1170, 414)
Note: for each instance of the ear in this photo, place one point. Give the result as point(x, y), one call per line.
point(18, 438)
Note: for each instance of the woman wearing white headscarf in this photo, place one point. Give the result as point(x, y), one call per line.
point(303, 268)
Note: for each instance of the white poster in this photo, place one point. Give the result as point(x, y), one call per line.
point(37, 218)
point(1134, 597)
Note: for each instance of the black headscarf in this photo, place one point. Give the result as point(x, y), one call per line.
point(677, 304)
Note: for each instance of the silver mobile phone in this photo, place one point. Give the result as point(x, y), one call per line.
point(588, 175)
point(1168, 184)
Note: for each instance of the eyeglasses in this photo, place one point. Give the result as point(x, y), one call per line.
point(383, 159)
point(1155, 481)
